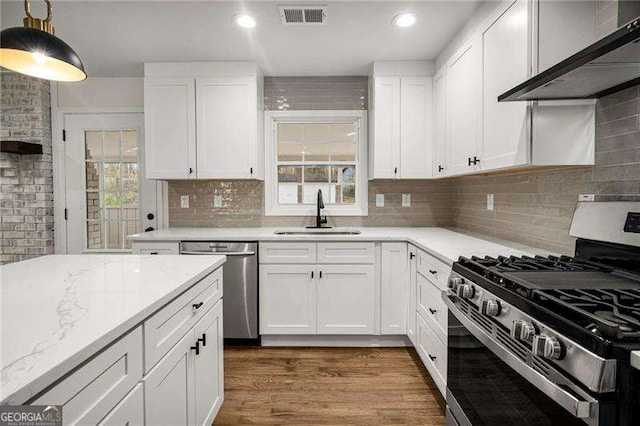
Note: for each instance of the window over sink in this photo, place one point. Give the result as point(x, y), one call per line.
point(309, 151)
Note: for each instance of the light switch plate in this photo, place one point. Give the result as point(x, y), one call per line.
point(587, 197)
point(490, 201)
point(184, 201)
point(406, 200)
point(217, 201)
point(379, 200)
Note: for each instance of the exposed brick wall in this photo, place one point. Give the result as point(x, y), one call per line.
point(26, 181)
point(536, 208)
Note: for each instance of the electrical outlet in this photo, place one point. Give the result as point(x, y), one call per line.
point(379, 200)
point(587, 197)
point(217, 201)
point(184, 201)
point(490, 201)
point(406, 200)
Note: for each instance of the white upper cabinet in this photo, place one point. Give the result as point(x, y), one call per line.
point(226, 131)
point(463, 106)
point(416, 127)
point(170, 124)
point(440, 122)
point(384, 152)
point(226, 139)
point(506, 130)
point(401, 125)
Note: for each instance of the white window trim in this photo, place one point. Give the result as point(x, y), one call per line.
point(272, 118)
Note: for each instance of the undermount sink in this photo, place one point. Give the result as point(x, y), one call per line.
point(318, 231)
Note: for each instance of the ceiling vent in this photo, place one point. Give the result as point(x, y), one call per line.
point(303, 15)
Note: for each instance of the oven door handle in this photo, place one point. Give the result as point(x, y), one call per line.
point(580, 408)
point(219, 253)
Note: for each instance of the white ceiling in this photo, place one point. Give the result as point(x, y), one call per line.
point(115, 38)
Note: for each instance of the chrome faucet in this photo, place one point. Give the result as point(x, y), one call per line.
point(320, 220)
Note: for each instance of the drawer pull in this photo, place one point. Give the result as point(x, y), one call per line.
point(433, 311)
point(197, 306)
point(203, 339)
point(196, 348)
point(154, 252)
point(411, 256)
point(431, 357)
point(433, 271)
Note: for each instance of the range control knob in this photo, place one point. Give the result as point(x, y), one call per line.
point(454, 283)
point(523, 330)
point(547, 347)
point(491, 307)
point(466, 291)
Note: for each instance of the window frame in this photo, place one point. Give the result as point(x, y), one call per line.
point(272, 119)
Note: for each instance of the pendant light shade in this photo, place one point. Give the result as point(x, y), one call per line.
point(34, 50)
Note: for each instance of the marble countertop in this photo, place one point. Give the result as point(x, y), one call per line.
point(635, 359)
point(445, 244)
point(56, 311)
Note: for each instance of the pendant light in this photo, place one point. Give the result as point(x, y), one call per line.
point(34, 50)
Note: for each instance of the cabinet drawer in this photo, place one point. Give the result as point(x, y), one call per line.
point(431, 307)
point(130, 411)
point(285, 252)
point(434, 270)
point(167, 326)
point(91, 392)
point(156, 248)
point(433, 354)
point(346, 253)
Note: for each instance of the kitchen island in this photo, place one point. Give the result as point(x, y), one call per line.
point(72, 335)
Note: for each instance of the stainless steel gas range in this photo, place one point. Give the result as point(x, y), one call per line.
point(547, 340)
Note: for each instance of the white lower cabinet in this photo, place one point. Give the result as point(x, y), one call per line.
point(346, 299)
point(130, 411)
point(394, 288)
point(287, 299)
point(433, 353)
point(185, 387)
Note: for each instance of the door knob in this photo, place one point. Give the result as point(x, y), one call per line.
point(150, 216)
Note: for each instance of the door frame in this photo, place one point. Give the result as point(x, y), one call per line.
point(59, 167)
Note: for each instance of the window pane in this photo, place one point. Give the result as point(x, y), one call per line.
point(112, 177)
point(130, 146)
point(349, 194)
point(93, 147)
point(310, 193)
point(290, 174)
point(343, 133)
point(290, 132)
point(316, 152)
point(94, 235)
point(112, 202)
point(290, 151)
point(316, 174)
point(131, 228)
point(93, 176)
point(289, 193)
point(316, 132)
point(130, 184)
point(112, 145)
point(343, 151)
point(114, 234)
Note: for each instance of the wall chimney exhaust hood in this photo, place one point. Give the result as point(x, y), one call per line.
point(607, 66)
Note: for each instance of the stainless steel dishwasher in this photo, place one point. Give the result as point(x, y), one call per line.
point(240, 283)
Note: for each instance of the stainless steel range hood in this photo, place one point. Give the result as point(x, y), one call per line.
point(607, 66)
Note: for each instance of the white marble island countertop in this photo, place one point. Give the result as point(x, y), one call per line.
point(446, 244)
point(56, 311)
point(635, 359)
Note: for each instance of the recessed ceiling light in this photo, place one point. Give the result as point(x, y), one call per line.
point(404, 19)
point(244, 20)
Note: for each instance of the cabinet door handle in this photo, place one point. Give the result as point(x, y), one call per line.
point(395, 171)
point(154, 252)
point(476, 160)
point(251, 170)
point(470, 161)
point(311, 274)
point(440, 168)
point(190, 170)
point(197, 306)
point(320, 274)
point(196, 348)
point(411, 255)
point(433, 311)
point(433, 271)
point(431, 357)
point(203, 339)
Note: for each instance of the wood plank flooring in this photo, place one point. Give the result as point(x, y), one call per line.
point(337, 386)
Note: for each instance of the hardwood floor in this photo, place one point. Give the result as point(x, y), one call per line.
point(337, 386)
